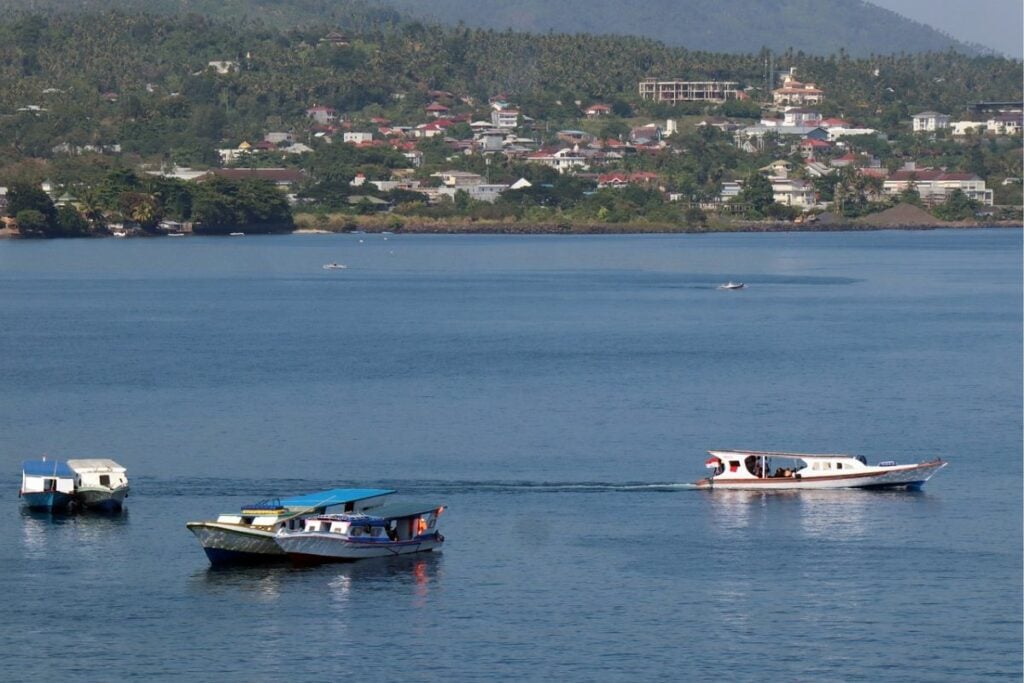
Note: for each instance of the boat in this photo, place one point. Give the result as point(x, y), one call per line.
point(100, 484)
point(396, 528)
point(47, 485)
point(120, 233)
point(753, 470)
point(175, 234)
point(732, 285)
point(236, 234)
point(335, 266)
point(248, 536)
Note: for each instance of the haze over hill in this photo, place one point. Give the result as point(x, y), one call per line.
point(732, 26)
point(813, 26)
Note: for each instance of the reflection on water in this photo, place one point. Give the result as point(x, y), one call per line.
point(842, 514)
point(339, 581)
point(44, 533)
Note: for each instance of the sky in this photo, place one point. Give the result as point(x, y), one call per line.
point(993, 23)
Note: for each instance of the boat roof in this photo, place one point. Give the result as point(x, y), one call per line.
point(784, 454)
point(81, 465)
point(400, 509)
point(321, 499)
point(46, 468)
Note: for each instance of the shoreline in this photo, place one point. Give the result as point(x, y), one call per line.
point(565, 228)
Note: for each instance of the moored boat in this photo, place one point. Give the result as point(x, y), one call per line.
point(753, 470)
point(393, 529)
point(100, 484)
point(248, 536)
point(47, 484)
point(732, 285)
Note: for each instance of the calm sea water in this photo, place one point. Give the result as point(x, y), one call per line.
point(557, 393)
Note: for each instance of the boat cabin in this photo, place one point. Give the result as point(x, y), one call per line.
point(97, 472)
point(288, 513)
point(391, 521)
point(47, 476)
point(779, 465)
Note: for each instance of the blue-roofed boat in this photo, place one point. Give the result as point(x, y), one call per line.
point(247, 537)
point(396, 528)
point(47, 484)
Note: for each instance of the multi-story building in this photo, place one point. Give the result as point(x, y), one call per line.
point(688, 91)
point(935, 186)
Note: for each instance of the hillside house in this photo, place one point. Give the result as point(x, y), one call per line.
point(562, 160)
point(505, 118)
point(795, 93)
point(1008, 123)
point(322, 115)
point(596, 111)
point(799, 116)
point(793, 192)
point(357, 137)
point(935, 186)
point(930, 121)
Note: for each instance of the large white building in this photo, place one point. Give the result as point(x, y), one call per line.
point(688, 91)
point(928, 121)
point(935, 186)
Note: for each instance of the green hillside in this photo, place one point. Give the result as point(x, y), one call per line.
point(736, 26)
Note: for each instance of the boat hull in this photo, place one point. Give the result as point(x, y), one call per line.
point(226, 544)
point(47, 500)
point(102, 498)
point(318, 548)
point(911, 477)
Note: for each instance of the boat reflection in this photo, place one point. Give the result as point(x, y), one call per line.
point(48, 533)
point(269, 582)
point(843, 514)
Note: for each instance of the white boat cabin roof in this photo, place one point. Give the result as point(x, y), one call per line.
point(98, 465)
point(809, 457)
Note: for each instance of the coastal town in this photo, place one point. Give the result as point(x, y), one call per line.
point(721, 155)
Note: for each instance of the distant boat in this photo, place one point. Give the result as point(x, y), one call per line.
point(100, 484)
point(120, 233)
point(248, 536)
point(334, 266)
point(752, 470)
point(236, 234)
point(47, 484)
point(392, 529)
point(732, 285)
point(175, 234)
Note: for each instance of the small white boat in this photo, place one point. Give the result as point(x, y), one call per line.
point(335, 266)
point(393, 529)
point(248, 537)
point(732, 285)
point(753, 470)
point(47, 485)
point(175, 234)
point(100, 484)
point(236, 234)
point(120, 233)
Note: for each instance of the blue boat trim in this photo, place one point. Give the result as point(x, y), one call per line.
point(219, 556)
point(47, 468)
point(320, 499)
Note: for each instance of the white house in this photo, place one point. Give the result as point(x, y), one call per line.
point(562, 161)
point(793, 192)
point(929, 121)
point(356, 137)
point(795, 93)
point(505, 118)
point(935, 186)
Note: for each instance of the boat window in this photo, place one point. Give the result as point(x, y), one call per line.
point(734, 465)
point(816, 466)
point(839, 465)
point(104, 480)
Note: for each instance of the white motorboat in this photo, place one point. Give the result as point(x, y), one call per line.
point(236, 234)
point(248, 536)
point(100, 484)
point(335, 266)
point(393, 529)
point(732, 285)
point(753, 470)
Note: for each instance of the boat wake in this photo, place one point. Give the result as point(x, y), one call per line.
point(264, 488)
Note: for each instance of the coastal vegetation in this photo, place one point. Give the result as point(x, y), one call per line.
point(99, 105)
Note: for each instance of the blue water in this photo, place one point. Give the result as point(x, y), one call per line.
point(557, 393)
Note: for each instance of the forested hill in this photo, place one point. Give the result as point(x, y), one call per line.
point(817, 27)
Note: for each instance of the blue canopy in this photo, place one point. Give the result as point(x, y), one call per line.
point(47, 468)
point(322, 499)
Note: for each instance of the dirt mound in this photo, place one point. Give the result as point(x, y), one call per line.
point(900, 216)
